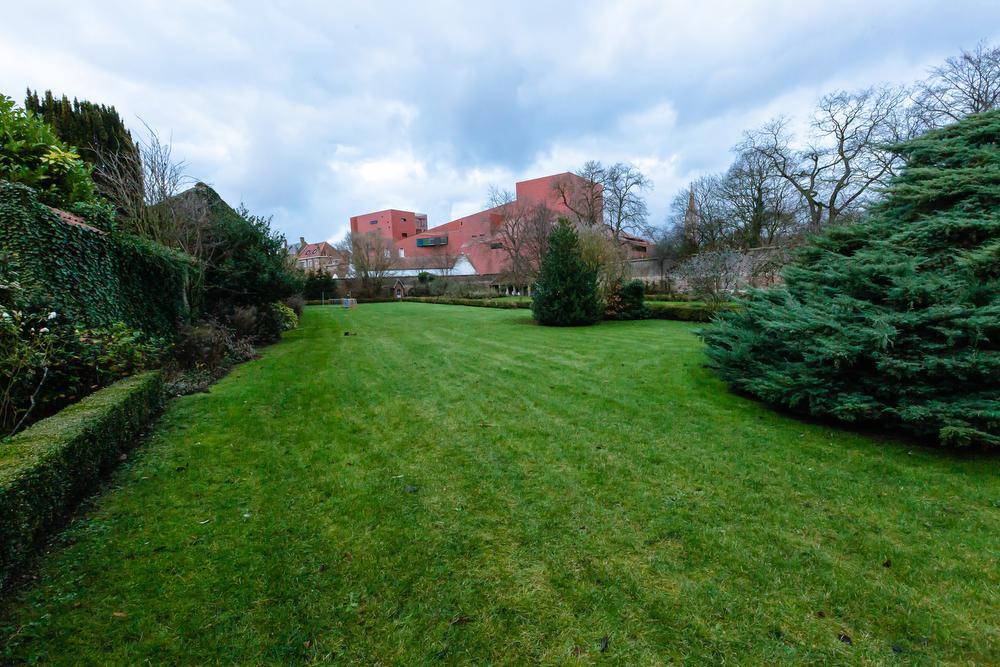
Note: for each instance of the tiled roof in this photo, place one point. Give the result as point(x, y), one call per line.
point(75, 220)
point(321, 249)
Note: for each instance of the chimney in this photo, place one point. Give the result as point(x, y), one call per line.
point(302, 242)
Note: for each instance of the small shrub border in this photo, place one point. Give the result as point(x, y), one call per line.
point(658, 310)
point(481, 303)
point(336, 302)
point(683, 311)
point(47, 468)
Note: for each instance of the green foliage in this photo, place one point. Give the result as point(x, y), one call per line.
point(289, 320)
point(684, 311)
point(894, 320)
point(47, 363)
point(626, 302)
point(247, 265)
point(319, 285)
point(32, 154)
point(90, 279)
point(206, 345)
point(95, 129)
point(567, 292)
point(46, 469)
point(482, 303)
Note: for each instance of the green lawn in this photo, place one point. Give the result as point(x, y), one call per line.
point(460, 485)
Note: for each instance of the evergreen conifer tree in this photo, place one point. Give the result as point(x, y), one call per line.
point(896, 319)
point(93, 129)
point(566, 293)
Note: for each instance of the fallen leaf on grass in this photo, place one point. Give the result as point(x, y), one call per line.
point(119, 614)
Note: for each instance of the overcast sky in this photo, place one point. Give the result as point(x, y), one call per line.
point(316, 111)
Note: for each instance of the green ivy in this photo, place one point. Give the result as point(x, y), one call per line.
point(92, 279)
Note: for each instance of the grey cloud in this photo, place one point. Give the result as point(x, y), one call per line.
point(289, 107)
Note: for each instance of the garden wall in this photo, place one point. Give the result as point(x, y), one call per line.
point(90, 277)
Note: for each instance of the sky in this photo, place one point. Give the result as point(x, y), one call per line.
point(312, 112)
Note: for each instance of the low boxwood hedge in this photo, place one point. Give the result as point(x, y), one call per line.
point(480, 303)
point(337, 301)
point(47, 468)
point(690, 311)
point(686, 311)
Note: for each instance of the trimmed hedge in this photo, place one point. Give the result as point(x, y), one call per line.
point(480, 303)
point(685, 311)
point(690, 311)
point(47, 468)
point(336, 301)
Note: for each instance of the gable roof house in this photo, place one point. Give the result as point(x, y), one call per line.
point(321, 257)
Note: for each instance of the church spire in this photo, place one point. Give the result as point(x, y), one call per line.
point(691, 218)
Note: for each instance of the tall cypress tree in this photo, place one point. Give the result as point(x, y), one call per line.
point(93, 129)
point(896, 319)
point(566, 293)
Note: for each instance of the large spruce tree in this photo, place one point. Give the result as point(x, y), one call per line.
point(894, 320)
point(566, 293)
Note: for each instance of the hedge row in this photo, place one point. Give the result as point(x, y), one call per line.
point(336, 302)
point(481, 303)
point(91, 278)
point(684, 311)
point(668, 297)
point(47, 468)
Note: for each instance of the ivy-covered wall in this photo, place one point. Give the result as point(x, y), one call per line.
point(90, 278)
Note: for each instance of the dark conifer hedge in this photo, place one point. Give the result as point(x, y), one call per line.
point(566, 293)
point(894, 320)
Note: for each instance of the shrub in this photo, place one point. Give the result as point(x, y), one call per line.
point(482, 303)
point(47, 362)
point(204, 345)
point(626, 302)
point(466, 290)
point(689, 311)
point(895, 319)
point(319, 285)
point(245, 321)
point(46, 469)
point(296, 303)
point(566, 293)
point(712, 276)
point(31, 154)
point(289, 320)
point(271, 323)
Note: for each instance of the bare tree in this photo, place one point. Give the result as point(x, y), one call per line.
point(141, 184)
point(522, 234)
point(762, 205)
point(714, 226)
point(624, 205)
point(963, 85)
point(846, 155)
point(371, 259)
point(583, 197)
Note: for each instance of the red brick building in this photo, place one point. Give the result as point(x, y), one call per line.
point(321, 257)
point(472, 236)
